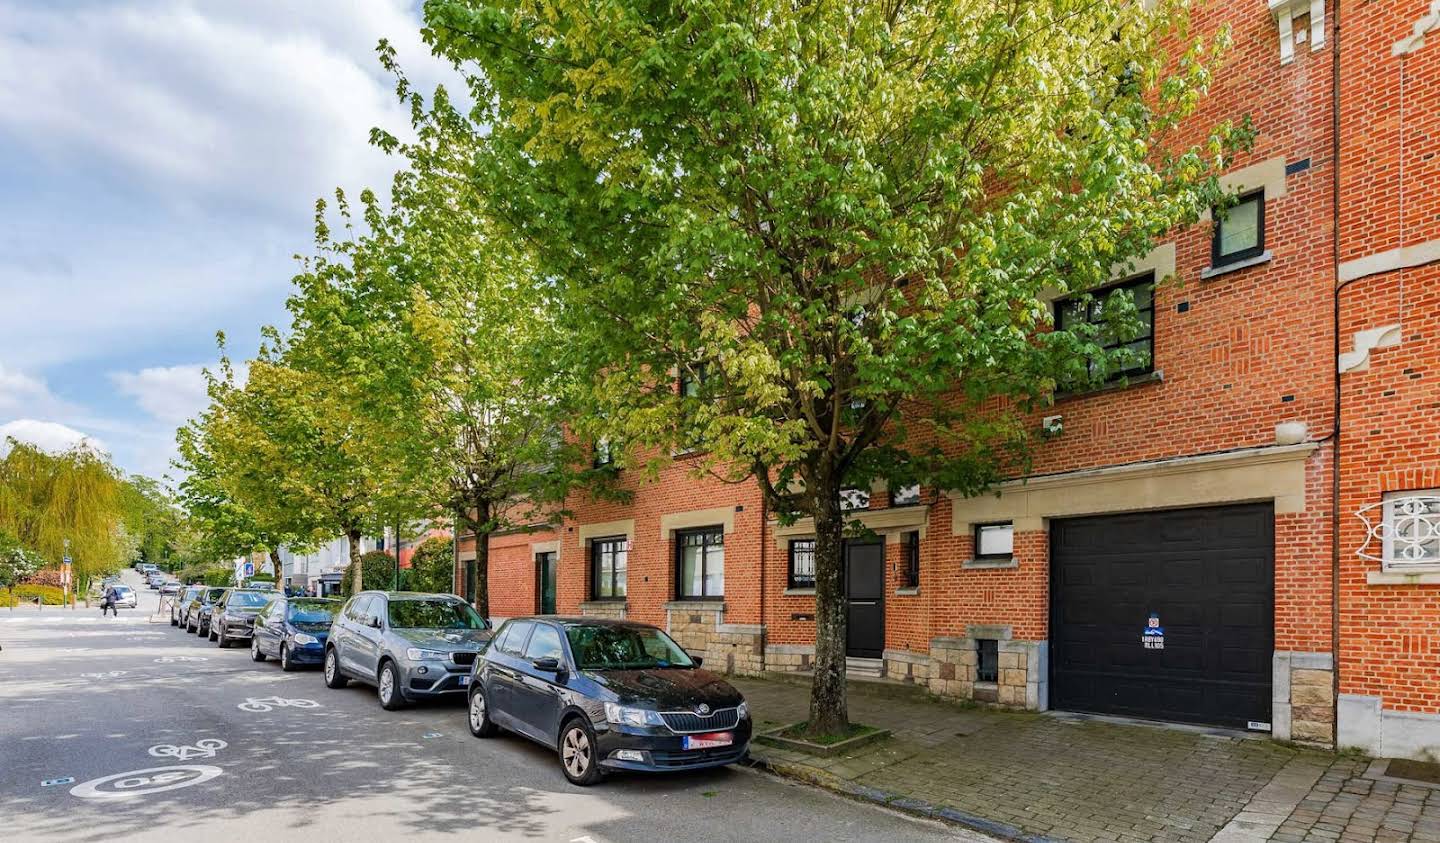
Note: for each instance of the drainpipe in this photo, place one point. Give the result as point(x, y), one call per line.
point(764, 540)
point(1335, 370)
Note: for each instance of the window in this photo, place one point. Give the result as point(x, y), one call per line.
point(988, 662)
point(905, 496)
point(910, 544)
point(544, 644)
point(851, 499)
point(691, 382)
point(610, 557)
point(994, 541)
point(604, 453)
point(1411, 532)
point(512, 643)
point(802, 563)
point(433, 614)
point(700, 558)
point(1239, 230)
point(1127, 350)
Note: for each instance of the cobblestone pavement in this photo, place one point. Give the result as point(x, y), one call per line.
point(1344, 805)
point(1050, 776)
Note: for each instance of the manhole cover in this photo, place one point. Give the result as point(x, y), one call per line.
point(1420, 771)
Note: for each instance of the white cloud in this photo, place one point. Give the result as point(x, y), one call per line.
point(170, 394)
point(49, 436)
point(22, 394)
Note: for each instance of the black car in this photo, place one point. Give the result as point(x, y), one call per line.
point(293, 630)
point(607, 695)
point(197, 612)
point(182, 601)
point(234, 614)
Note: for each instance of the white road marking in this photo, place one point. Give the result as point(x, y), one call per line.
point(255, 705)
point(109, 674)
point(142, 782)
point(173, 659)
point(203, 748)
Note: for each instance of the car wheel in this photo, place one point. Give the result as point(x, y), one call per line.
point(388, 685)
point(255, 654)
point(174, 622)
point(577, 754)
point(333, 677)
point(481, 726)
point(285, 664)
point(220, 639)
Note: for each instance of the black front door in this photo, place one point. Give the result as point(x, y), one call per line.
point(1165, 615)
point(865, 597)
point(545, 585)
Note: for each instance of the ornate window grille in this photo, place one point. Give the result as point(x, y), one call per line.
point(1407, 532)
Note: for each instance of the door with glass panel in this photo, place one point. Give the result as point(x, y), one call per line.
point(545, 564)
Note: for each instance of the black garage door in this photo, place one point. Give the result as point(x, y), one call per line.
point(1205, 576)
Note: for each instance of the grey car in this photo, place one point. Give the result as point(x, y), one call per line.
point(409, 645)
point(233, 618)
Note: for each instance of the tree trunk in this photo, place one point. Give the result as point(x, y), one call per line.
point(482, 529)
point(357, 576)
point(829, 714)
point(279, 569)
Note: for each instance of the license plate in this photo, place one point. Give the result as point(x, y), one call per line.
point(709, 740)
point(464, 680)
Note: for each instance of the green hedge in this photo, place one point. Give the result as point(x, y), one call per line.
point(24, 594)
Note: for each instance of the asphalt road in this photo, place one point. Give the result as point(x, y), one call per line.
point(105, 701)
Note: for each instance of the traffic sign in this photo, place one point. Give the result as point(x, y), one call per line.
point(65, 561)
point(249, 569)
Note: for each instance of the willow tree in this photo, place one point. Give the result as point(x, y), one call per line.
point(840, 223)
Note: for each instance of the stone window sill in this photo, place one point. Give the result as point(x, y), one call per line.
point(799, 592)
point(707, 605)
point(908, 592)
point(990, 564)
point(1156, 376)
point(1227, 268)
point(1418, 576)
point(601, 602)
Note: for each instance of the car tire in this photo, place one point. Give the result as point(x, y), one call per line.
point(333, 677)
point(481, 726)
point(255, 654)
point(285, 663)
point(577, 753)
point(387, 685)
point(174, 622)
point(220, 639)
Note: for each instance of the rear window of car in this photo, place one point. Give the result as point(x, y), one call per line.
point(122, 589)
point(433, 614)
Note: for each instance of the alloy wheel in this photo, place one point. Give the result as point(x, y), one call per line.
point(477, 712)
point(284, 657)
point(575, 753)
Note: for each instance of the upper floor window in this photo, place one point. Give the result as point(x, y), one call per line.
point(609, 561)
point(1126, 350)
point(604, 453)
point(700, 560)
point(905, 496)
point(854, 499)
point(1239, 230)
point(802, 563)
point(691, 381)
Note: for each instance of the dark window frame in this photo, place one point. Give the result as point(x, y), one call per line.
point(910, 546)
point(602, 446)
point(1217, 259)
point(1133, 282)
point(680, 585)
point(987, 664)
point(790, 580)
point(596, 546)
point(975, 535)
point(896, 502)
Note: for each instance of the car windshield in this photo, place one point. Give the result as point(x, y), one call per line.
point(248, 598)
point(311, 612)
point(433, 614)
point(214, 594)
point(120, 589)
point(624, 648)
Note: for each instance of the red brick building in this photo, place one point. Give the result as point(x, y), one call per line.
point(1174, 555)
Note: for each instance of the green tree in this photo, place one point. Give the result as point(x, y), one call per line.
point(377, 572)
point(16, 563)
point(432, 566)
point(840, 225)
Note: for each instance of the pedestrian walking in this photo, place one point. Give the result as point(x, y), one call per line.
point(109, 602)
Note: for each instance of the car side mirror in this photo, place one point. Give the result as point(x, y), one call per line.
point(549, 664)
point(374, 623)
point(697, 660)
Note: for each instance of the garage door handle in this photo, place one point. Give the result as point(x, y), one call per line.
point(863, 602)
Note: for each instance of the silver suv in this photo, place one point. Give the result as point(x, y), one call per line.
point(407, 644)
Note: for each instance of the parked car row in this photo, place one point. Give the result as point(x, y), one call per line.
point(606, 695)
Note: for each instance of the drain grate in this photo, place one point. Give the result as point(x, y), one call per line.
point(1420, 771)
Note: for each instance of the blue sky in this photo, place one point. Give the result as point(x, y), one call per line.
point(159, 163)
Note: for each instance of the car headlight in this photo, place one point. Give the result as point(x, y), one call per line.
point(621, 715)
point(302, 638)
point(743, 710)
point(415, 655)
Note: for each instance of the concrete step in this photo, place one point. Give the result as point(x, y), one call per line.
point(864, 668)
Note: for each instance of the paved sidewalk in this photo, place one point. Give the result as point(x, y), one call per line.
point(1063, 777)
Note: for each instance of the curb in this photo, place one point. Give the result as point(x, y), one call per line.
point(894, 801)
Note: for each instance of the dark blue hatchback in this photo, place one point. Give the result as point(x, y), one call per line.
point(293, 630)
point(607, 696)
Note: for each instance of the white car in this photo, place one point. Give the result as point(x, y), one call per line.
point(125, 597)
